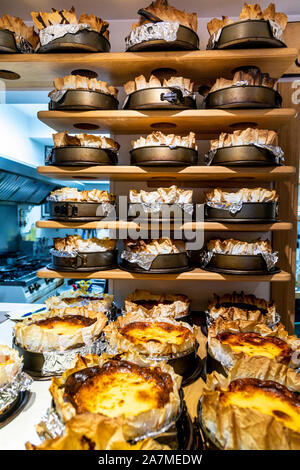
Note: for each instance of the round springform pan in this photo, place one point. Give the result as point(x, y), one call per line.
point(246, 96)
point(77, 100)
point(186, 40)
point(163, 155)
point(84, 40)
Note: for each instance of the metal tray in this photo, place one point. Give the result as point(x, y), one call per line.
point(244, 155)
point(73, 155)
point(164, 264)
point(77, 211)
point(238, 264)
point(246, 96)
point(259, 212)
point(14, 408)
point(248, 34)
point(157, 216)
point(89, 41)
point(186, 40)
point(85, 262)
point(77, 100)
point(163, 156)
point(7, 42)
point(159, 98)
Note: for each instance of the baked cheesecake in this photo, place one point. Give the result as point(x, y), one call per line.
point(151, 337)
point(10, 364)
point(126, 386)
point(118, 388)
point(60, 329)
point(255, 407)
point(230, 340)
point(254, 344)
point(267, 397)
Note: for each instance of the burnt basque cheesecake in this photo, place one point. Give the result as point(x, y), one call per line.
point(230, 340)
point(143, 394)
point(150, 304)
point(257, 407)
point(241, 306)
point(10, 364)
point(59, 329)
point(151, 337)
point(254, 344)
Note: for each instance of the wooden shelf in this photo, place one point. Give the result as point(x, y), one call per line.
point(38, 70)
point(204, 122)
point(195, 275)
point(191, 173)
point(207, 226)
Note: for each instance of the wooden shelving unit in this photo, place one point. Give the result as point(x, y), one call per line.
point(192, 173)
point(204, 122)
point(206, 226)
point(195, 275)
point(36, 71)
point(117, 68)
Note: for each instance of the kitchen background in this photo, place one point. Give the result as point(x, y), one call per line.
point(24, 141)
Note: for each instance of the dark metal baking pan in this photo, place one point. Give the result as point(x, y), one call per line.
point(259, 212)
point(163, 155)
point(180, 436)
point(77, 211)
point(32, 362)
point(159, 98)
point(185, 431)
point(238, 264)
point(186, 40)
point(246, 96)
point(14, 408)
point(7, 42)
point(248, 34)
point(84, 40)
point(162, 264)
point(177, 214)
point(73, 155)
point(244, 155)
point(212, 364)
point(85, 262)
point(81, 100)
point(208, 442)
point(185, 364)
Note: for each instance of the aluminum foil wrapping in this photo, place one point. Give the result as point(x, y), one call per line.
point(51, 425)
point(277, 33)
point(159, 206)
point(56, 31)
point(142, 259)
point(23, 45)
point(64, 254)
point(164, 30)
point(277, 30)
point(204, 257)
point(55, 363)
point(57, 95)
point(275, 150)
point(269, 258)
point(232, 207)
point(10, 390)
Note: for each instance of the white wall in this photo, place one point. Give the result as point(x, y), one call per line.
point(15, 133)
